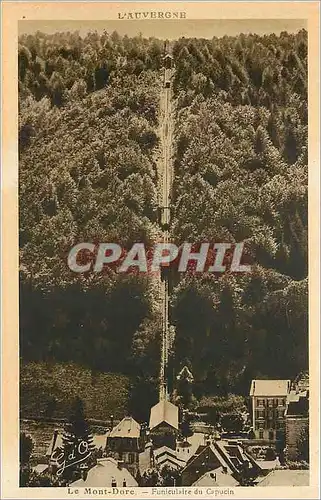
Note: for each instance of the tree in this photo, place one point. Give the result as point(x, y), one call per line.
point(78, 427)
point(26, 447)
point(170, 476)
point(77, 433)
point(186, 429)
point(232, 422)
point(185, 386)
point(227, 139)
point(290, 145)
point(303, 445)
point(151, 477)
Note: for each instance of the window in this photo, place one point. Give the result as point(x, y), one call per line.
point(261, 434)
point(131, 458)
point(271, 435)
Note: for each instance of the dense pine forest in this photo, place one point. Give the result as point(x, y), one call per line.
point(88, 116)
point(241, 175)
point(88, 147)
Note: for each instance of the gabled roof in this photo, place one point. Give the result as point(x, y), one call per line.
point(128, 427)
point(167, 456)
point(185, 373)
point(216, 477)
point(104, 473)
point(40, 468)
point(219, 457)
point(269, 388)
point(164, 411)
point(163, 450)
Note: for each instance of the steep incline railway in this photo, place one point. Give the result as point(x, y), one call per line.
point(166, 184)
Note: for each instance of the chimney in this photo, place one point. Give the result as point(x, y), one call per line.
point(111, 421)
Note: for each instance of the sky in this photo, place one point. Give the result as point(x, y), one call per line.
point(169, 28)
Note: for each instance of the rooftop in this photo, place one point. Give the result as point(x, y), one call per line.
point(106, 472)
point(185, 373)
point(186, 452)
point(205, 450)
point(298, 404)
point(40, 468)
point(164, 411)
point(267, 388)
point(167, 456)
point(216, 477)
point(128, 427)
point(285, 477)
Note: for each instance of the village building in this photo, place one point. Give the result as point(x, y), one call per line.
point(168, 61)
point(187, 448)
point(185, 374)
point(221, 457)
point(297, 419)
point(163, 424)
point(269, 401)
point(107, 473)
point(206, 459)
point(124, 443)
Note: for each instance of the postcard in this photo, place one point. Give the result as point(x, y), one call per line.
point(160, 244)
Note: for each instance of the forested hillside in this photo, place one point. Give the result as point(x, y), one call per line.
point(241, 175)
point(88, 113)
point(88, 147)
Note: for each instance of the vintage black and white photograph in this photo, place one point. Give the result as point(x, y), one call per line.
point(163, 253)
